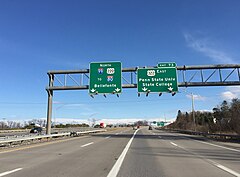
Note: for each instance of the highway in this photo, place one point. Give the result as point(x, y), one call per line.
point(124, 153)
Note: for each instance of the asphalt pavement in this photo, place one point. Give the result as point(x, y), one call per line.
point(124, 153)
point(163, 154)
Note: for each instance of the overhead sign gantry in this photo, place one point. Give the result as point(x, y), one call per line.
point(103, 74)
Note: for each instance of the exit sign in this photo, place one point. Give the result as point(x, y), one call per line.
point(161, 79)
point(165, 64)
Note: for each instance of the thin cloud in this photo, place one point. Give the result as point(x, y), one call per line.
point(231, 93)
point(196, 97)
point(57, 102)
point(79, 106)
point(203, 46)
point(205, 110)
point(84, 107)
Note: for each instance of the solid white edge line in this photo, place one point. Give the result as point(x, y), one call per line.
point(211, 144)
point(9, 172)
point(227, 170)
point(212, 162)
point(218, 146)
point(115, 169)
point(87, 144)
point(107, 137)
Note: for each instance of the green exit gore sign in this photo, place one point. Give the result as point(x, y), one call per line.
point(105, 77)
point(161, 124)
point(161, 79)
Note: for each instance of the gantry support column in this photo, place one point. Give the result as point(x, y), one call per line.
point(50, 102)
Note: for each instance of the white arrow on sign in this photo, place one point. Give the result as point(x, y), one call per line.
point(117, 89)
point(92, 90)
point(170, 89)
point(144, 89)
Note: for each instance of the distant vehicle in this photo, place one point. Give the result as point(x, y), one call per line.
point(150, 128)
point(96, 126)
point(36, 130)
point(35, 124)
point(136, 127)
point(102, 125)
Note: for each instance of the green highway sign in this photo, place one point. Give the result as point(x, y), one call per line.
point(105, 77)
point(161, 124)
point(165, 64)
point(162, 79)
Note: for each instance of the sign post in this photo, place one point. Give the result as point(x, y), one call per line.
point(158, 80)
point(105, 78)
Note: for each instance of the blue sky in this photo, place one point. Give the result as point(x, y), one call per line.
point(37, 36)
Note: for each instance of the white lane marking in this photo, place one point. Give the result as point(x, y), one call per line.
point(119, 133)
point(107, 137)
point(211, 162)
point(188, 137)
point(87, 144)
point(159, 137)
point(218, 146)
point(227, 170)
point(115, 169)
point(174, 144)
point(9, 172)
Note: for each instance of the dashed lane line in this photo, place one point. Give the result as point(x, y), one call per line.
point(211, 144)
point(9, 172)
point(231, 149)
point(39, 145)
point(226, 169)
point(87, 144)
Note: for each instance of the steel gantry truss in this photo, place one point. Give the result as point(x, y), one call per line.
point(188, 76)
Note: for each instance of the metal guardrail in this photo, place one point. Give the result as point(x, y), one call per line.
point(9, 134)
point(10, 131)
point(53, 129)
point(22, 139)
point(222, 137)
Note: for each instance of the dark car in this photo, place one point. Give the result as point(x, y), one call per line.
point(150, 128)
point(97, 126)
point(36, 130)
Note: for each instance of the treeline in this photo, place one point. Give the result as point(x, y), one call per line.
point(30, 124)
point(141, 123)
point(71, 125)
point(10, 125)
point(224, 118)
